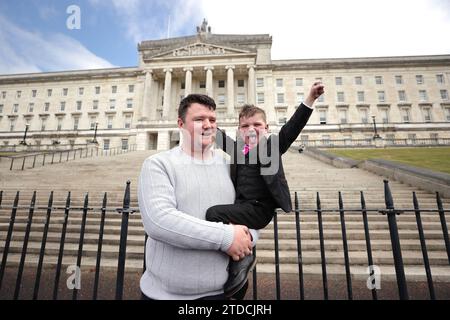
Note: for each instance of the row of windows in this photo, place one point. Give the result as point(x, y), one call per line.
point(65, 91)
point(361, 96)
point(75, 123)
point(62, 106)
point(358, 80)
point(106, 143)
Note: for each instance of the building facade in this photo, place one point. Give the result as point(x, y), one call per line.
point(406, 97)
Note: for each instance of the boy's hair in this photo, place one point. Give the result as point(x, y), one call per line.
point(194, 98)
point(249, 110)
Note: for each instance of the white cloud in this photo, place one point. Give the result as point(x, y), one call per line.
point(23, 51)
point(344, 28)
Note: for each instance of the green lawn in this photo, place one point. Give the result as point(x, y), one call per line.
point(437, 159)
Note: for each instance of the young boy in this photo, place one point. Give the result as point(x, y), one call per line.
point(258, 190)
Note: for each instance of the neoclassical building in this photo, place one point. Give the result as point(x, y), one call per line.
point(407, 97)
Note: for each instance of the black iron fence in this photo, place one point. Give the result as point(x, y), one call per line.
point(390, 211)
point(31, 161)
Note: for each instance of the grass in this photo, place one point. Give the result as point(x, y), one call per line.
point(437, 159)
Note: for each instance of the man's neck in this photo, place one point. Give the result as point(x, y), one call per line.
point(198, 153)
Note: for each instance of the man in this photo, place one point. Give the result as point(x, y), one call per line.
point(187, 256)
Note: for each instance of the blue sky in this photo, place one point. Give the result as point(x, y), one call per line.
point(34, 36)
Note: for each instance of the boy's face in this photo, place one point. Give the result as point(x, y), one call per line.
point(252, 129)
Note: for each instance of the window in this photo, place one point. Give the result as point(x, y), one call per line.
point(65, 90)
point(80, 91)
point(378, 80)
point(304, 138)
point(364, 113)
point(31, 107)
point(343, 115)
point(18, 94)
point(326, 139)
point(300, 97)
point(419, 79)
point(127, 124)
point(321, 98)
point(323, 116)
point(131, 88)
point(440, 78)
point(426, 114)
point(358, 80)
point(361, 96)
point(398, 79)
point(63, 106)
point(124, 144)
point(444, 94)
point(390, 137)
point(423, 95)
point(109, 123)
point(260, 97)
point(106, 144)
point(221, 99)
point(447, 114)
point(3, 94)
point(113, 89)
point(402, 96)
point(129, 103)
point(240, 83)
point(1, 108)
point(381, 96)
point(33, 93)
point(405, 115)
point(76, 121)
point(92, 121)
point(384, 115)
point(79, 105)
point(338, 81)
point(280, 97)
point(95, 104)
point(281, 116)
point(434, 136)
point(15, 108)
point(43, 123)
point(279, 83)
point(12, 123)
point(240, 98)
point(340, 97)
point(221, 83)
point(412, 137)
point(183, 85)
point(59, 124)
point(46, 106)
point(202, 84)
point(260, 82)
point(97, 90)
point(49, 92)
point(299, 82)
point(112, 104)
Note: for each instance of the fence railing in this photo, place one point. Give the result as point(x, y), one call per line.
point(390, 211)
point(30, 161)
point(371, 143)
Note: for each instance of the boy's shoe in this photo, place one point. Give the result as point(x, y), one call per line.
point(238, 274)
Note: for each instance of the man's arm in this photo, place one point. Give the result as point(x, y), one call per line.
point(162, 221)
point(290, 131)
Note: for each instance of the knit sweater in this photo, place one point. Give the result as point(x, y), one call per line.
point(185, 254)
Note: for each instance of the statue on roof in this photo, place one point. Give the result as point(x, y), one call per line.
point(204, 27)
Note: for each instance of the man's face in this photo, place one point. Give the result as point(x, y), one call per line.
point(252, 129)
point(199, 126)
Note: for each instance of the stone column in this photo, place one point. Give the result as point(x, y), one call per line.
point(209, 81)
point(167, 93)
point(251, 84)
point(188, 81)
point(163, 141)
point(146, 103)
point(230, 90)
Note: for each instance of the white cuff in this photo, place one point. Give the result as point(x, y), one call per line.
point(308, 106)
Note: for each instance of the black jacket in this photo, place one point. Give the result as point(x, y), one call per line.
point(275, 181)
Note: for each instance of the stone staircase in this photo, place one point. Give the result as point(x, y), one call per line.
point(306, 176)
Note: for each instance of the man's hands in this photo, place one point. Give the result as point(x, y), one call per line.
point(242, 243)
point(316, 91)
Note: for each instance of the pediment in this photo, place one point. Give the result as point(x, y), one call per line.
point(198, 49)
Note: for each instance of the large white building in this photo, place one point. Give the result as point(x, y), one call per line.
point(408, 97)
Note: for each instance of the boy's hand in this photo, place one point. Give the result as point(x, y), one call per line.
point(316, 91)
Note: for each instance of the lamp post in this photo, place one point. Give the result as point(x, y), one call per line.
point(95, 134)
point(376, 135)
point(24, 142)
